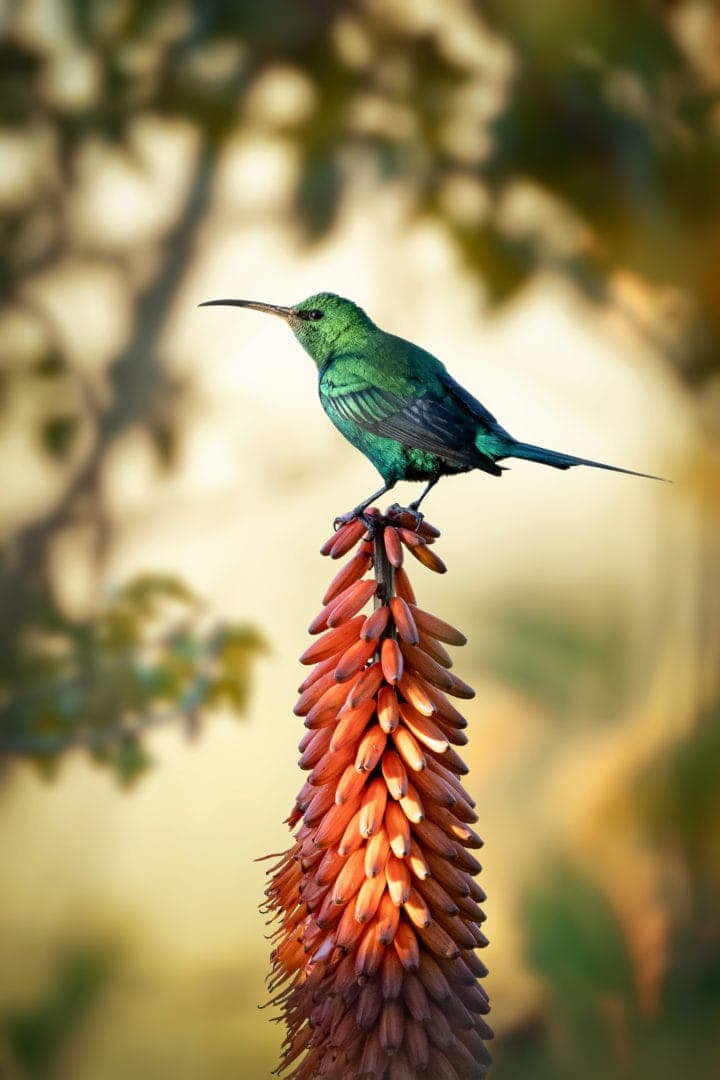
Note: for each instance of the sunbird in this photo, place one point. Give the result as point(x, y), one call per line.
point(397, 403)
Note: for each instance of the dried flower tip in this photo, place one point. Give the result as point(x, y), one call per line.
point(454, 828)
point(369, 1004)
point(312, 695)
point(388, 917)
point(394, 774)
point(465, 860)
point(349, 785)
point(428, 531)
point(463, 933)
point(397, 876)
point(312, 746)
point(393, 547)
point(375, 624)
point(354, 659)
point(444, 708)
point(428, 558)
point(404, 622)
point(369, 956)
point(350, 878)
point(438, 898)
point(320, 622)
point(417, 1046)
point(392, 660)
point(416, 691)
point(366, 687)
point(328, 913)
point(454, 763)
point(371, 747)
point(320, 803)
point(437, 628)
point(435, 650)
point(432, 837)
point(460, 689)
point(416, 1000)
point(392, 1027)
point(328, 867)
point(353, 570)
point(304, 796)
point(368, 898)
point(410, 539)
point(438, 940)
point(317, 673)
point(403, 587)
point(412, 805)
point(417, 910)
point(333, 825)
point(398, 830)
point(417, 862)
point(404, 516)
point(346, 538)
point(376, 853)
point(326, 707)
point(435, 787)
point(313, 743)
point(408, 748)
point(424, 665)
point(331, 764)
point(351, 725)
point(388, 709)
point(333, 642)
point(352, 600)
point(346, 935)
point(373, 807)
point(424, 729)
point(407, 948)
point(327, 546)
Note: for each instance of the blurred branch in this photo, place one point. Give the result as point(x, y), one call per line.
point(140, 388)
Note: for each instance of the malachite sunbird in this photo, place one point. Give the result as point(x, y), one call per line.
point(397, 403)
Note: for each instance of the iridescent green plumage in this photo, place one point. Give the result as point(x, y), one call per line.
point(397, 403)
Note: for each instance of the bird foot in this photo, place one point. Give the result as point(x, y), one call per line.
point(396, 508)
point(359, 513)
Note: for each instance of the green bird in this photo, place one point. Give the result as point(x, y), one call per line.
point(397, 403)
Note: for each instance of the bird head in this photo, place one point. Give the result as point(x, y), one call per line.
point(324, 324)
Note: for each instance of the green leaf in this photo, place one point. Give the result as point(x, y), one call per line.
point(37, 1033)
point(573, 938)
point(58, 435)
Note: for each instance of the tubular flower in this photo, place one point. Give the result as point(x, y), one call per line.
point(374, 966)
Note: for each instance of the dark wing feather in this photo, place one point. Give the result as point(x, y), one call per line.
point(442, 427)
point(476, 408)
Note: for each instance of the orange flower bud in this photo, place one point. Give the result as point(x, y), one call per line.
point(374, 965)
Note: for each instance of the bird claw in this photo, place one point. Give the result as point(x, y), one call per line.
point(358, 513)
point(411, 509)
point(344, 519)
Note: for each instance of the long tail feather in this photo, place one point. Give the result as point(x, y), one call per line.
point(566, 461)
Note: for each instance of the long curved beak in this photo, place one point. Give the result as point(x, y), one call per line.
point(256, 305)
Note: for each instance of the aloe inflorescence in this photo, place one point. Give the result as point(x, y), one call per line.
point(374, 966)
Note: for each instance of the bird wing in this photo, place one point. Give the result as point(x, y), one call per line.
point(424, 421)
point(476, 408)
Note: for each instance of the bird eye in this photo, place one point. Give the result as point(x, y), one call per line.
point(315, 314)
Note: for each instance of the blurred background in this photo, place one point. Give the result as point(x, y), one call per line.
point(530, 191)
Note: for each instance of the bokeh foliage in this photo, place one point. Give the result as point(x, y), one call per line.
point(100, 683)
point(576, 136)
point(36, 1034)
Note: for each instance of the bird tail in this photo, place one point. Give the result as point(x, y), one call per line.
point(566, 461)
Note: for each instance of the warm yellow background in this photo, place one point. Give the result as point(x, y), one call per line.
point(166, 872)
